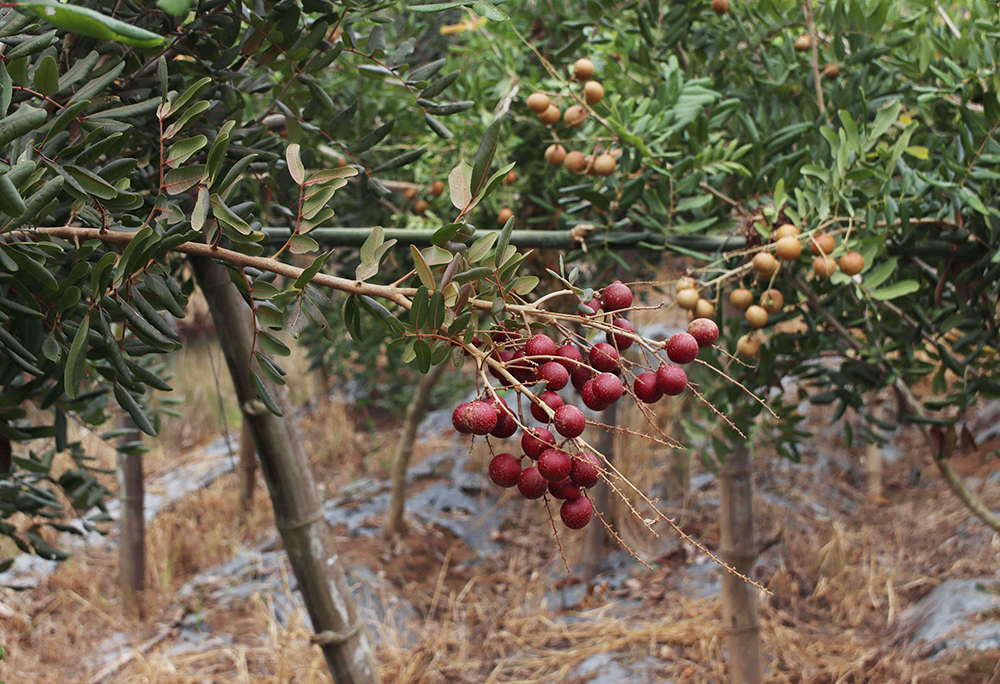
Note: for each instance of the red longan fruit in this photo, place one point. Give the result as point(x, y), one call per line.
point(505, 470)
point(576, 513)
point(531, 484)
point(603, 357)
point(569, 421)
point(671, 379)
point(586, 471)
point(555, 465)
point(682, 348)
point(536, 440)
point(646, 388)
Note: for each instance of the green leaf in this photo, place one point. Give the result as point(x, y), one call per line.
point(311, 270)
point(183, 179)
point(481, 247)
point(87, 22)
point(881, 273)
point(73, 372)
point(175, 7)
point(524, 284)
point(226, 216)
point(440, 130)
point(401, 160)
point(973, 201)
point(488, 10)
point(11, 202)
point(183, 150)
point(300, 244)
point(460, 185)
point(899, 289)
point(423, 270)
point(24, 120)
point(374, 138)
point(46, 76)
point(502, 242)
point(91, 183)
point(437, 6)
point(484, 156)
point(28, 264)
point(295, 167)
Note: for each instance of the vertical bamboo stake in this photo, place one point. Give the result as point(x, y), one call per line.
point(132, 542)
point(247, 468)
point(739, 598)
point(594, 543)
point(297, 510)
point(415, 412)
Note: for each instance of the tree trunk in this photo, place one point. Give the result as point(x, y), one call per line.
point(288, 474)
point(247, 469)
point(739, 598)
point(132, 543)
point(596, 539)
point(415, 413)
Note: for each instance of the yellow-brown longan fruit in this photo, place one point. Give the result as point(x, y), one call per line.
point(748, 346)
point(688, 299)
point(704, 309)
point(410, 194)
point(510, 178)
point(741, 298)
point(583, 69)
point(852, 263)
point(785, 230)
point(686, 283)
point(437, 188)
point(575, 116)
point(822, 243)
point(765, 264)
point(824, 266)
point(576, 161)
point(720, 6)
point(555, 154)
point(772, 301)
point(803, 43)
point(692, 315)
point(341, 162)
point(420, 206)
point(756, 316)
point(831, 71)
point(538, 102)
point(605, 165)
point(593, 92)
point(504, 215)
point(551, 115)
point(789, 248)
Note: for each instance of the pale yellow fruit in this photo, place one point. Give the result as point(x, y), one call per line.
point(538, 102)
point(688, 299)
point(583, 69)
point(593, 92)
point(704, 309)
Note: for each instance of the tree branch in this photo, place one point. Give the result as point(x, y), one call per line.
point(807, 8)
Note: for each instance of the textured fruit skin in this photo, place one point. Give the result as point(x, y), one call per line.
point(720, 6)
point(824, 242)
point(506, 426)
point(646, 388)
point(569, 421)
point(479, 417)
point(765, 264)
point(580, 377)
point(803, 43)
point(593, 92)
point(682, 348)
point(550, 399)
point(590, 399)
point(772, 301)
point(595, 306)
point(564, 489)
point(554, 374)
point(550, 116)
point(704, 309)
point(747, 346)
point(688, 299)
point(437, 188)
point(788, 248)
point(531, 484)
point(741, 298)
point(570, 356)
point(620, 341)
point(458, 419)
point(583, 69)
point(852, 263)
point(536, 441)
point(704, 331)
point(540, 345)
point(786, 230)
point(555, 154)
point(605, 165)
point(505, 470)
point(607, 388)
point(756, 316)
point(576, 161)
point(522, 370)
point(577, 513)
point(504, 357)
point(616, 296)
point(575, 116)
point(586, 471)
point(420, 206)
point(555, 464)
point(504, 215)
point(538, 102)
point(824, 266)
point(603, 357)
point(671, 380)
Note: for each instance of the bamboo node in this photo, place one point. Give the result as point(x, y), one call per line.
point(330, 638)
point(299, 524)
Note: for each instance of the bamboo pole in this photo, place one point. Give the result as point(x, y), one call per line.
point(596, 540)
point(132, 541)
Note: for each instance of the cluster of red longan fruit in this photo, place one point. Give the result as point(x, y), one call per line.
point(562, 466)
point(574, 117)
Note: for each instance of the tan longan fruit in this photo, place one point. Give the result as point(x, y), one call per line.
point(575, 116)
point(756, 316)
point(765, 264)
point(538, 102)
point(555, 154)
point(852, 263)
point(504, 215)
point(772, 301)
point(789, 248)
point(605, 165)
point(551, 115)
point(593, 92)
point(437, 188)
point(692, 315)
point(583, 69)
point(824, 266)
point(831, 71)
point(748, 346)
point(688, 299)
point(704, 309)
point(785, 230)
point(686, 283)
point(803, 43)
point(576, 161)
point(822, 243)
point(341, 162)
point(741, 298)
point(420, 206)
point(720, 6)
point(410, 194)
point(510, 178)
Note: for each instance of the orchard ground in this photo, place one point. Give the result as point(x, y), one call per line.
point(843, 572)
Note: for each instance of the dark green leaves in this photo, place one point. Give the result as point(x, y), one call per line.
point(484, 156)
point(73, 372)
point(87, 22)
